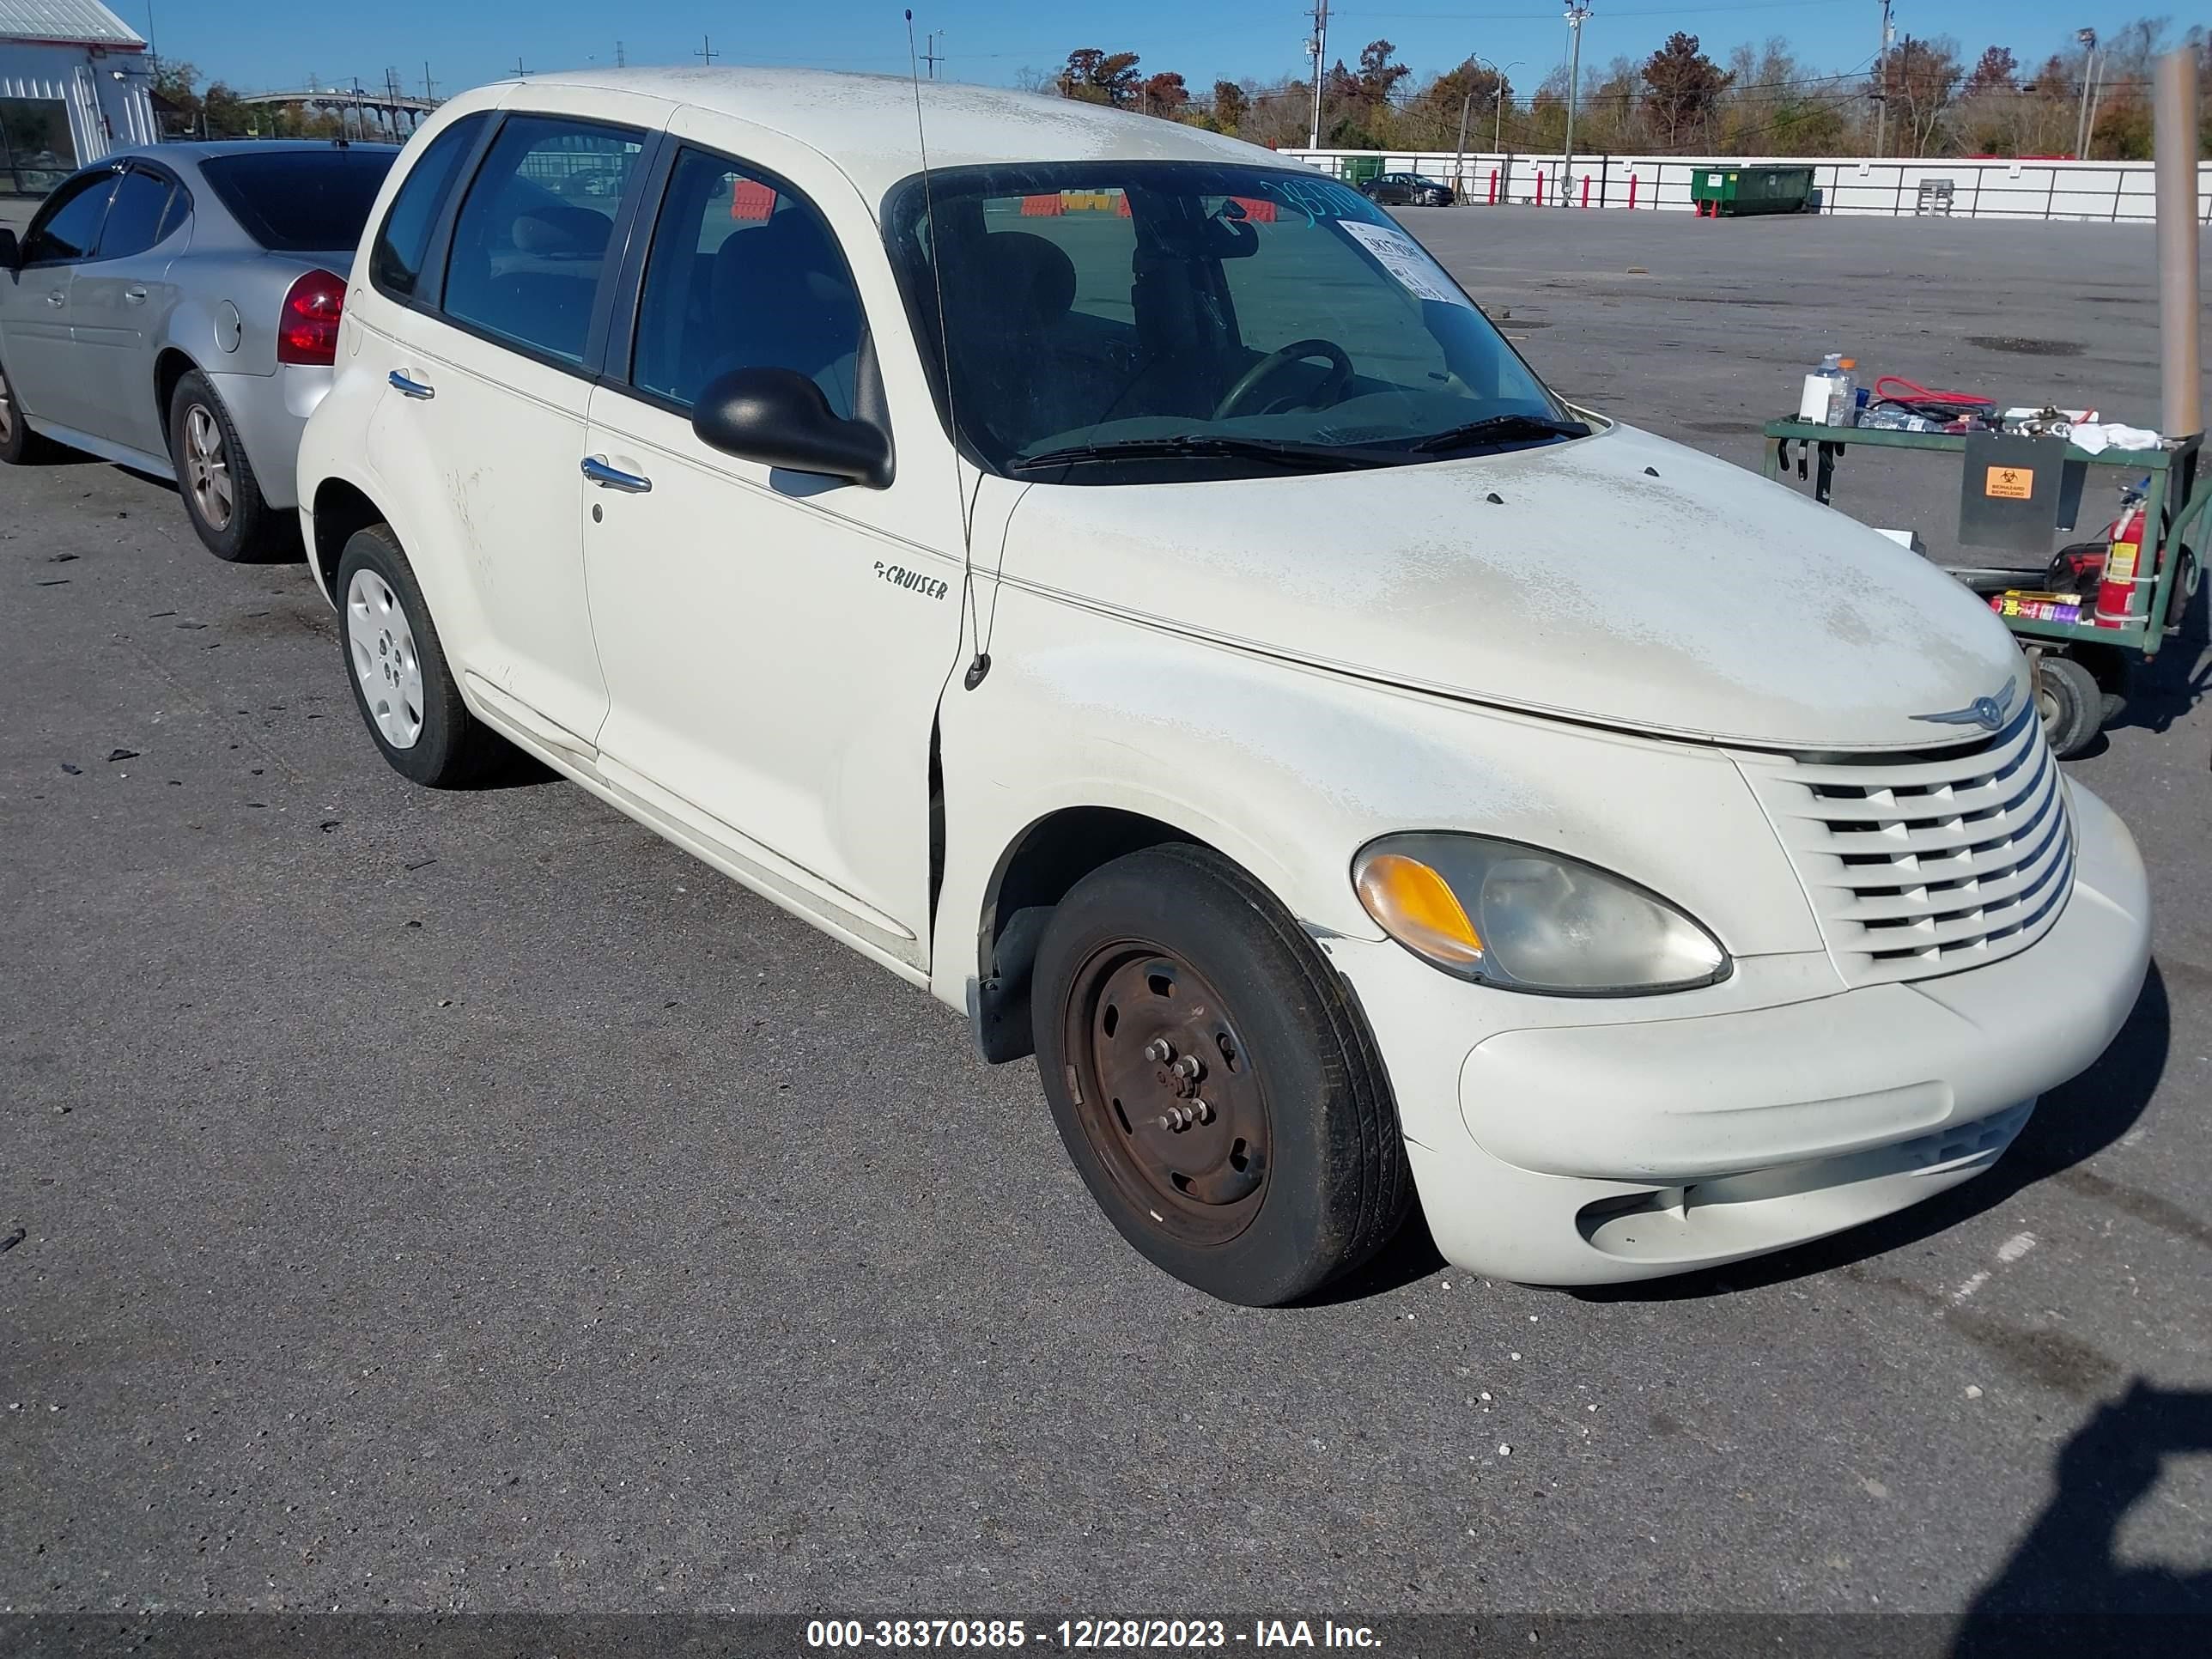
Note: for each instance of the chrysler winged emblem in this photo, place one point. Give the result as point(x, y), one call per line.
point(1988, 713)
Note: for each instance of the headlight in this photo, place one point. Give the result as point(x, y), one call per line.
point(1528, 920)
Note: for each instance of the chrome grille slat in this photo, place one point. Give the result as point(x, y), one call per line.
point(1929, 864)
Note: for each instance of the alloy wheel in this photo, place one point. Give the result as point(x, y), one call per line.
point(6, 411)
point(207, 468)
point(384, 660)
point(1167, 1093)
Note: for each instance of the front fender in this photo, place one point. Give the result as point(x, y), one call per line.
point(1291, 770)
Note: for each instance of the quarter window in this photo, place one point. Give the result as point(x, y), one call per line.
point(135, 216)
point(395, 264)
point(741, 274)
point(532, 238)
point(68, 227)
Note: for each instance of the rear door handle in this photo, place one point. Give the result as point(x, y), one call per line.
point(613, 478)
point(137, 296)
point(58, 297)
point(410, 388)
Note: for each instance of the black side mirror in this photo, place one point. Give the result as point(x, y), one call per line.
point(11, 250)
point(779, 417)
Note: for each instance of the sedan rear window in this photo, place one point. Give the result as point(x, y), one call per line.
point(300, 201)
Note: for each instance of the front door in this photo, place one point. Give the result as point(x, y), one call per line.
point(483, 408)
point(35, 347)
point(775, 642)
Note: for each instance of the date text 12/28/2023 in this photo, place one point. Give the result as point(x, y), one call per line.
point(1087, 1635)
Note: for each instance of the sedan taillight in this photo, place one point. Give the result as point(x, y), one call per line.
point(307, 331)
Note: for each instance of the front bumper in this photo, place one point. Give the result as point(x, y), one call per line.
point(1592, 1143)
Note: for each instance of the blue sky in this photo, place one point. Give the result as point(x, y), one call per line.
point(261, 44)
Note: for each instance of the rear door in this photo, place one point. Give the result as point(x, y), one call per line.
point(118, 300)
point(35, 315)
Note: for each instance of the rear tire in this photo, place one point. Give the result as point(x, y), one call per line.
point(1214, 1083)
point(402, 684)
point(2072, 705)
point(223, 497)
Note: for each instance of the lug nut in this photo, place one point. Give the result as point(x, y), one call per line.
point(1202, 1110)
point(1159, 1051)
point(1188, 1066)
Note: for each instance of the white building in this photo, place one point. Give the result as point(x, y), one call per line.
point(74, 79)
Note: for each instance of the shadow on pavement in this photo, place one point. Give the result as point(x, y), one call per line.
point(2073, 1123)
point(2064, 1590)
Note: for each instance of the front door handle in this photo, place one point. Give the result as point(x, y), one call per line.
point(137, 296)
point(409, 388)
point(613, 478)
point(56, 297)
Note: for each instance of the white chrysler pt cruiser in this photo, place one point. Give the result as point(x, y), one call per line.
point(1121, 582)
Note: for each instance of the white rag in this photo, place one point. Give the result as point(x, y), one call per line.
point(2096, 439)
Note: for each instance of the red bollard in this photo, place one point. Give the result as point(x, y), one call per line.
point(1632, 190)
point(1493, 187)
point(1585, 189)
point(1540, 186)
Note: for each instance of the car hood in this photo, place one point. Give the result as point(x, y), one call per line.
point(1619, 578)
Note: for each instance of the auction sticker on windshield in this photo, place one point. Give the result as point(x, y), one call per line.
point(1404, 258)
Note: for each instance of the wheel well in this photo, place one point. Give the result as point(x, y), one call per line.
point(1037, 870)
point(171, 367)
point(340, 509)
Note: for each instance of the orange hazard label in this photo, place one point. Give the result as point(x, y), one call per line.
point(2011, 483)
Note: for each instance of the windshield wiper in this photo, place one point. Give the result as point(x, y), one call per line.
point(1203, 446)
point(1499, 428)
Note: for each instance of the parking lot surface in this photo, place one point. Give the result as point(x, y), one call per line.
point(469, 1201)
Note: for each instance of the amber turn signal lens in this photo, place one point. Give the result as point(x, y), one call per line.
point(1415, 906)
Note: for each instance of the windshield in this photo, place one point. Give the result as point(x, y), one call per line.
point(1112, 322)
point(300, 201)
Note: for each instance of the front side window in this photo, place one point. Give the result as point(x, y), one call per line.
point(741, 274)
point(67, 227)
point(1113, 322)
point(136, 216)
point(395, 264)
point(300, 201)
point(531, 241)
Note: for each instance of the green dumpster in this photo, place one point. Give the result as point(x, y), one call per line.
point(1733, 190)
point(1360, 169)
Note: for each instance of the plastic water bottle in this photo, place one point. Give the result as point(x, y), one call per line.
point(1843, 390)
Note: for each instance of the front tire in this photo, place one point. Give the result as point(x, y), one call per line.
point(19, 445)
point(1214, 1083)
point(223, 497)
point(402, 684)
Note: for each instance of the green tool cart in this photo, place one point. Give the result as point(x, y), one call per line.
point(1735, 190)
point(2080, 667)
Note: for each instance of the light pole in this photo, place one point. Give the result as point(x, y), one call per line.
point(1577, 11)
point(1497, 103)
point(2083, 125)
point(1319, 47)
point(1459, 163)
point(1882, 83)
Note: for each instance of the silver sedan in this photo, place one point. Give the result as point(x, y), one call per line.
point(175, 309)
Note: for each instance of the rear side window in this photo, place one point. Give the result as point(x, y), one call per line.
point(67, 227)
point(531, 236)
point(395, 264)
point(300, 201)
point(135, 216)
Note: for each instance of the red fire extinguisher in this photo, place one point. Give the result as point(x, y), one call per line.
point(2124, 573)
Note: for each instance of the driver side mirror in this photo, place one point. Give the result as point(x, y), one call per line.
point(779, 417)
point(11, 250)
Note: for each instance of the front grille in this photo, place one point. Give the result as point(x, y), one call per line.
point(1930, 863)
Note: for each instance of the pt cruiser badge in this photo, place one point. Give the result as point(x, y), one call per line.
point(1988, 713)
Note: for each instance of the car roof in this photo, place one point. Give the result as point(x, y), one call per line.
point(864, 123)
point(193, 150)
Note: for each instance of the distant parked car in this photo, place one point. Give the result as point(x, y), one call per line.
point(1406, 190)
point(175, 309)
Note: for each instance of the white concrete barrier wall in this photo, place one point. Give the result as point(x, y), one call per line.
point(2112, 192)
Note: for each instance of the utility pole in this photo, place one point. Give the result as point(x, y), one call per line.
point(1881, 84)
point(2088, 40)
point(429, 91)
point(1319, 47)
point(1577, 11)
point(621, 62)
point(520, 73)
point(707, 51)
point(932, 56)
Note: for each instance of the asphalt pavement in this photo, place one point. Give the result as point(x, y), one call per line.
point(468, 1201)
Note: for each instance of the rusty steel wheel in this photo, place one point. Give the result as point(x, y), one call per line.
point(1167, 1091)
point(1212, 1081)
